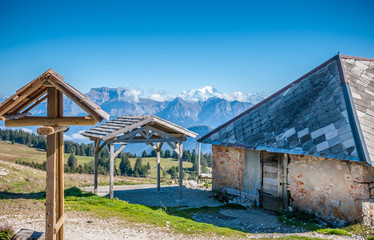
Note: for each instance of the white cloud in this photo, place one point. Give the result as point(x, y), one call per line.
point(75, 136)
point(132, 95)
point(161, 97)
point(206, 92)
point(28, 130)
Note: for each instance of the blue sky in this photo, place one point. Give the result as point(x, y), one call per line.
point(246, 46)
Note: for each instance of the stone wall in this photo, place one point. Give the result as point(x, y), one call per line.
point(227, 168)
point(336, 190)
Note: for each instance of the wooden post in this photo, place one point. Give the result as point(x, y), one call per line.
point(158, 170)
point(51, 168)
point(180, 154)
point(60, 171)
point(199, 163)
point(97, 143)
point(111, 170)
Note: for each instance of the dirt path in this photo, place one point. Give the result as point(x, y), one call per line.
point(86, 227)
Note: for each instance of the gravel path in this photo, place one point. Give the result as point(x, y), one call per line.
point(86, 227)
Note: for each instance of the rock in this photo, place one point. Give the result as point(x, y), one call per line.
point(3, 171)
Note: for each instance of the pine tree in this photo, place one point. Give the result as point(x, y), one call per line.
point(153, 153)
point(144, 154)
point(138, 167)
point(125, 166)
point(72, 162)
point(167, 153)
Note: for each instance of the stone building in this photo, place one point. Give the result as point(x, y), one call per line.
point(310, 145)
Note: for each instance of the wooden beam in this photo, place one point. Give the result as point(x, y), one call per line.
point(111, 170)
point(161, 133)
point(199, 163)
point(100, 147)
point(153, 146)
point(48, 130)
point(143, 140)
point(60, 223)
point(79, 101)
point(119, 150)
point(15, 116)
point(60, 171)
point(18, 98)
point(97, 146)
point(158, 170)
point(158, 149)
point(30, 101)
point(51, 169)
point(174, 147)
point(130, 134)
point(180, 149)
point(44, 121)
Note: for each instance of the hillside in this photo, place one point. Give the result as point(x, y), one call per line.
point(21, 153)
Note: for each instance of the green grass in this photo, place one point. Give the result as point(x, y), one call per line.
point(300, 219)
point(17, 152)
point(334, 231)
point(104, 207)
point(295, 237)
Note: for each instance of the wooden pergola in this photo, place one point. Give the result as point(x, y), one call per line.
point(147, 129)
point(15, 111)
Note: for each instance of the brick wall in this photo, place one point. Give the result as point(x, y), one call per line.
point(336, 190)
point(227, 168)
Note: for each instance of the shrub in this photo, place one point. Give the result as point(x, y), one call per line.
point(6, 232)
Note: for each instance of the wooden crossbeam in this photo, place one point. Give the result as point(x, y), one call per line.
point(130, 134)
point(35, 104)
point(48, 130)
point(15, 116)
point(153, 146)
point(142, 140)
point(59, 223)
point(160, 133)
point(44, 121)
point(119, 150)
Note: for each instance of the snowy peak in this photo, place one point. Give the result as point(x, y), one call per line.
point(200, 94)
point(133, 95)
point(207, 92)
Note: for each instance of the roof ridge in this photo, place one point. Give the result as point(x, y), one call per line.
point(356, 58)
point(270, 97)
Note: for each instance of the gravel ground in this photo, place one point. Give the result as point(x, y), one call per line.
point(145, 194)
point(86, 227)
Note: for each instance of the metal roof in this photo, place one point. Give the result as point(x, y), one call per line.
point(327, 112)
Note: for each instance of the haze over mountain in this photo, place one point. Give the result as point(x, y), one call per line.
point(205, 107)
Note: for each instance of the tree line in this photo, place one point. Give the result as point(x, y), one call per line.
point(125, 168)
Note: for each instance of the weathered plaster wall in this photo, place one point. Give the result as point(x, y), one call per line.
point(333, 189)
point(227, 168)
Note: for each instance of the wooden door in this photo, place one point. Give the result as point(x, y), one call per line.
point(273, 187)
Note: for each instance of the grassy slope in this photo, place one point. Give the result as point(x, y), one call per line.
point(18, 152)
point(28, 183)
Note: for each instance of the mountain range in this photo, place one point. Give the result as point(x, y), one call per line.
point(201, 110)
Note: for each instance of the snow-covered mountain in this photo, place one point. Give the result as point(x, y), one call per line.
point(207, 92)
point(205, 107)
